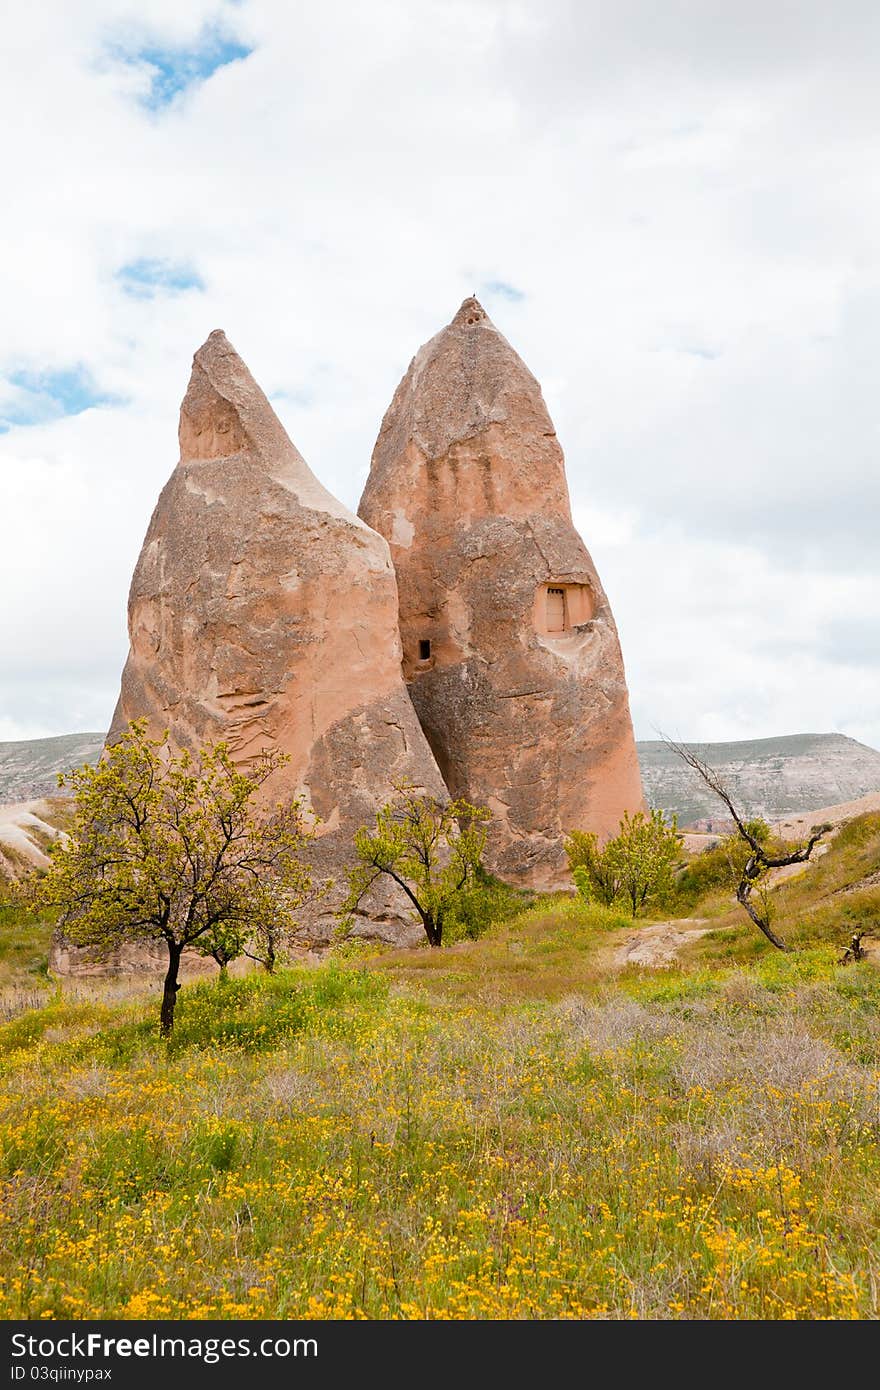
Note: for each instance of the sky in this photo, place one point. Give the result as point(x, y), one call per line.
point(671, 211)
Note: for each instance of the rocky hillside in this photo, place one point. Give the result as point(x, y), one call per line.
point(769, 777)
point(29, 769)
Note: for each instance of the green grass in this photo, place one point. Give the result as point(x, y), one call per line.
point(24, 947)
point(513, 1126)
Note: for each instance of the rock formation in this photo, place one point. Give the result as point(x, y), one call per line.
point(509, 645)
point(264, 613)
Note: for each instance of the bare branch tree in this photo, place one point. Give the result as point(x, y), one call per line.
point(759, 860)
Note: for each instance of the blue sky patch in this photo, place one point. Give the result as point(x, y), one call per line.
point(146, 278)
point(303, 398)
point(42, 396)
point(695, 350)
point(503, 290)
point(175, 70)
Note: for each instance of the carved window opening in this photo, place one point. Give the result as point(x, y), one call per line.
point(563, 609)
point(424, 649)
point(556, 610)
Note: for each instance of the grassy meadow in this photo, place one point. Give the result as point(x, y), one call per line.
point(509, 1127)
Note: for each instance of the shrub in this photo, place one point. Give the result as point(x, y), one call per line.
point(481, 906)
point(595, 877)
point(636, 865)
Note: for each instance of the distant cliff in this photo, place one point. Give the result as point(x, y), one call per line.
point(29, 769)
point(769, 777)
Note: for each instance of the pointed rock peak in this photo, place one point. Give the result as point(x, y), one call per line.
point(466, 381)
point(471, 314)
point(212, 421)
point(216, 342)
point(224, 413)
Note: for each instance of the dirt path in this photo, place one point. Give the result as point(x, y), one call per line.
point(657, 943)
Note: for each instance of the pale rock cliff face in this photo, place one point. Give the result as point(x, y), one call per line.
point(29, 768)
point(264, 613)
point(769, 777)
point(509, 645)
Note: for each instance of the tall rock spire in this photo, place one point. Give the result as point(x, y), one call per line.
point(510, 649)
point(263, 612)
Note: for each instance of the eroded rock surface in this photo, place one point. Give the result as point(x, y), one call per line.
point(509, 644)
point(264, 613)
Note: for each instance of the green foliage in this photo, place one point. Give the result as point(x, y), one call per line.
point(225, 943)
point(488, 901)
point(644, 853)
point(595, 875)
point(222, 1149)
point(171, 848)
point(430, 850)
point(636, 866)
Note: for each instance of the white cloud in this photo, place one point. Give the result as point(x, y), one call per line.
point(685, 196)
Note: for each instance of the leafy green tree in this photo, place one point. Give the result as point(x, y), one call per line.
point(643, 855)
point(431, 851)
point(270, 937)
point(173, 849)
point(595, 875)
point(266, 943)
point(638, 864)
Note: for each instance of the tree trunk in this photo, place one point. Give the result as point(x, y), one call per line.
point(269, 958)
point(433, 930)
point(742, 897)
point(169, 992)
point(223, 961)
